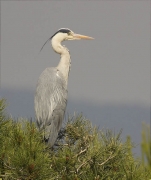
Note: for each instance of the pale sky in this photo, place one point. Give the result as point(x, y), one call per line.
point(109, 81)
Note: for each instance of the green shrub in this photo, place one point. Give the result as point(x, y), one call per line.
point(81, 152)
point(146, 146)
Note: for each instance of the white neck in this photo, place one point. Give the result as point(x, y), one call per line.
point(65, 61)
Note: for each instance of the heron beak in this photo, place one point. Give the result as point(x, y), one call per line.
point(79, 36)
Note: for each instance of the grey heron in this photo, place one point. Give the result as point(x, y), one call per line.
point(51, 92)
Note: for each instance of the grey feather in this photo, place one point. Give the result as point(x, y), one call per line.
point(50, 102)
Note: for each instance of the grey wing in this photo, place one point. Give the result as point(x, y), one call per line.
point(50, 102)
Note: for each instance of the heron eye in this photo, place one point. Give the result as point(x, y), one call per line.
point(69, 33)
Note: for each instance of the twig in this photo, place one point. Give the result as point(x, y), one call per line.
point(9, 166)
point(110, 157)
point(82, 164)
point(12, 167)
point(81, 152)
point(79, 159)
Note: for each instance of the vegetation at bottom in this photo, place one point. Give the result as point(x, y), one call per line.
point(81, 152)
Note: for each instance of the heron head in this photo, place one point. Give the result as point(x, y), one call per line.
point(66, 34)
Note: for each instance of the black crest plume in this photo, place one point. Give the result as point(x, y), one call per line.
point(62, 30)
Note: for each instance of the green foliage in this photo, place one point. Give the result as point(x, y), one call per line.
point(146, 146)
point(22, 153)
point(81, 152)
point(87, 153)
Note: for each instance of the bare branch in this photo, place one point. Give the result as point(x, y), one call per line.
point(110, 157)
point(83, 164)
